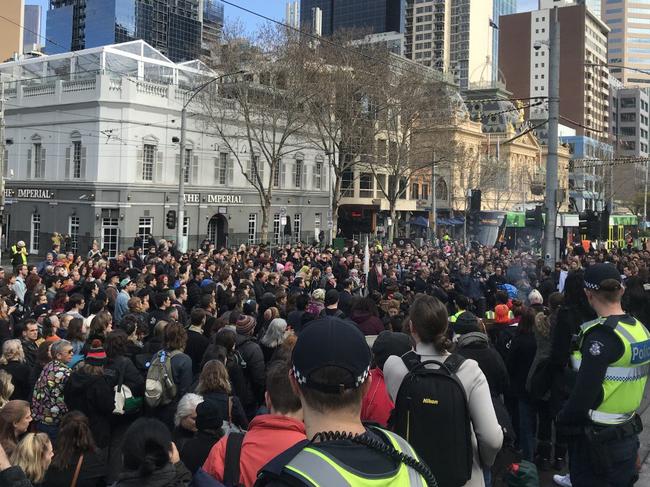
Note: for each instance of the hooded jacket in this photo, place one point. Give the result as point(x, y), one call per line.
point(254, 371)
point(268, 436)
point(377, 404)
point(93, 396)
point(477, 346)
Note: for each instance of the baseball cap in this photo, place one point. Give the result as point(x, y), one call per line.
point(331, 342)
point(20, 243)
point(501, 314)
point(125, 282)
point(602, 277)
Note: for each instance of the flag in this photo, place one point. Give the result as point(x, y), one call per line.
point(493, 25)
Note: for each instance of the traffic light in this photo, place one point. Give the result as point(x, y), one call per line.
point(171, 219)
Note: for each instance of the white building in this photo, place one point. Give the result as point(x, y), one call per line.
point(91, 153)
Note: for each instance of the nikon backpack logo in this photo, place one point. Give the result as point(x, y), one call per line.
point(433, 402)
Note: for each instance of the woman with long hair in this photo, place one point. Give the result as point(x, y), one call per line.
point(13, 362)
point(6, 320)
point(274, 336)
point(15, 418)
point(33, 455)
point(100, 326)
point(428, 323)
point(6, 388)
point(75, 447)
point(214, 386)
point(76, 335)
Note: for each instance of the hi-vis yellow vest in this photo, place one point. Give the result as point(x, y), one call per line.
point(625, 379)
point(318, 469)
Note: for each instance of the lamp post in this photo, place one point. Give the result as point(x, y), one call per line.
point(180, 221)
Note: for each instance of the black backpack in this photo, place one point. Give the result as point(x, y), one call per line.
point(432, 414)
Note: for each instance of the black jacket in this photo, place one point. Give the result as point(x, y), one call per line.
point(20, 373)
point(196, 345)
point(196, 450)
point(476, 346)
point(93, 396)
point(176, 475)
point(132, 378)
point(30, 348)
point(254, 371)
point(92, 473)
point(522, 353)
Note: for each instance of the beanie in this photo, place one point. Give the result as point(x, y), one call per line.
point(96, 355)
point(245, 325)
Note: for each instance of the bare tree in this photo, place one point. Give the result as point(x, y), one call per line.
point(343, 106)
point(414, 102)
point(259, 114)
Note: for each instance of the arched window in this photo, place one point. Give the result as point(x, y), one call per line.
point(442, 193)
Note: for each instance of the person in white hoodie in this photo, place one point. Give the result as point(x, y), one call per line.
point(428, 323)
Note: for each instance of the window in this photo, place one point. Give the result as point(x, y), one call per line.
point(276, 228)
point(148, 159)
point(297, 226)
point(277, 172)
point(628, 117)
point(35, 234)
point(297, 173)
point(221, 169)
point(73, 231)
point(441, 190)
point(628, 131)
point(38, 161)
point(110, 231)
point(415, 191)
point(366, 187)
point(402, 188)
point(255, 169)
point(347, 184)
point(628, 102)
point(318, 175)
point(425, 191)
point(145, 228)
point(76, 162)
point(252, 228)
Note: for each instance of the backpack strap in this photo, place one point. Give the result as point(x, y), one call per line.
point(231, 472)
point(411, 360)
point(453, 362)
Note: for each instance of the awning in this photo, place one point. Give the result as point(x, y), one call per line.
point(626, 220)
point(420, 221)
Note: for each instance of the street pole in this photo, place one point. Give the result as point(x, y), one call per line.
point(180, 221)
point(553, 119)
point(330, 220)
point(3, 161)
point(180, 244)
point(434, 208)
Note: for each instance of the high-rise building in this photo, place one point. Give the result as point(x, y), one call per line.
point(629, 39)
point(500, 7)
point(584, 77)
point(454, 36)
point(212, 27)
point(32, 31)
point(174, 27)
point(11, 34)
point(595, 6)
point(368, 17)
point(292, 14)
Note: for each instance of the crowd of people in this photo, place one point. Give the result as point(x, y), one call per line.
point(299, 365)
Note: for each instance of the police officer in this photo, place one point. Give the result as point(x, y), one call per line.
point(18, 254)
point(330, 374)
point(611, 358)
point(462, 303)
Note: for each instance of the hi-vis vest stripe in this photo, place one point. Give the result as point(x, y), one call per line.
point(453, 318)
point(318, 469)
point(625, 379)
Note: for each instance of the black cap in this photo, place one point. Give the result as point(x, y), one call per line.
point(331, 342)
point(390, 343)
point(466, 323)
point(596, 276)
point(331, 297)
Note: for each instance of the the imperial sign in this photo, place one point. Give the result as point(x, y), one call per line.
point(29, 193)
point(217, 199)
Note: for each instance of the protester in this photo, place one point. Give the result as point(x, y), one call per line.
point(13, 362)
point(15, 418)
point(33, 455)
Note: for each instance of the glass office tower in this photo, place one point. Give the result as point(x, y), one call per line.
point(500, 7)
point(174, 27)
point(373, 17)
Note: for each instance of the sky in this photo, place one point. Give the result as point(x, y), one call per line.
point(270, 8)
